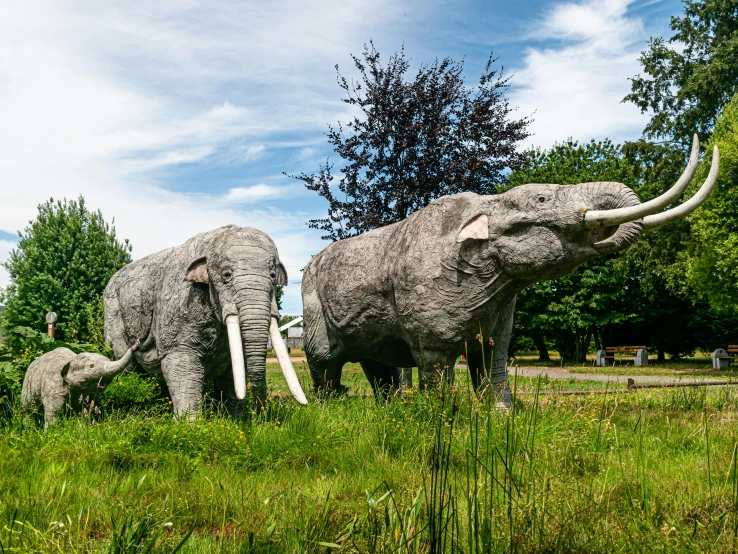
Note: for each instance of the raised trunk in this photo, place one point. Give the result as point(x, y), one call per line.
point(118, 366)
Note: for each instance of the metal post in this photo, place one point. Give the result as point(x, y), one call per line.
point(51, 320)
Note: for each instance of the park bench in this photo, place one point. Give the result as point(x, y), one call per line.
point(608, 355)
point(721, 358)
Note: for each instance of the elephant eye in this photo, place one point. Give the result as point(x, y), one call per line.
point(227, 274)
point(541, 199)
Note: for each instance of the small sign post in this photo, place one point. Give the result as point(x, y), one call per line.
point(51, 319)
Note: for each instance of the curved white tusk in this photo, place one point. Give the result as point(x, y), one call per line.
point(285, 363)
point(657, 220)
point(606, 218)
point(235, 343)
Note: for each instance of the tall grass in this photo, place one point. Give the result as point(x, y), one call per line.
point(442, 471)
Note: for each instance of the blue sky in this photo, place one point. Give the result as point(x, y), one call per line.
point(175, 117)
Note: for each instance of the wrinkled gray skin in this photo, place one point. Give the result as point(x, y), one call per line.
point(61, 373)
point(419, 292)
point(176, 302)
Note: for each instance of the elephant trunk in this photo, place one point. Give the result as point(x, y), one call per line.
point(613, 196)
point(116, 367)
point(254, 313)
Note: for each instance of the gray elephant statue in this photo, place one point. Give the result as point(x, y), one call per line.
point(59, 374)
point(443, 282)
point(203, 310)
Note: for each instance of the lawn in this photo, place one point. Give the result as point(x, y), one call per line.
point(431, 472)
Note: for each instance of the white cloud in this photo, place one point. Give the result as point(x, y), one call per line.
point(575, 88)
point(258, 192)
point(99, 99)
point(5, 248)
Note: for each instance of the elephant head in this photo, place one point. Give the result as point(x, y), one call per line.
point(539, 231)
point(241, 267)
point(87, 372)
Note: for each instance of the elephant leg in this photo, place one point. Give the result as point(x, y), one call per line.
point(480, 363)
point(326, 376)
point(433, 367)
point(384, 379)
point(225, 392)
point(184, 373)
point(325, 365)
point(501, 335)
point(53, 406)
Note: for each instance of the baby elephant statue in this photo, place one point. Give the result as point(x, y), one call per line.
point(61, 373)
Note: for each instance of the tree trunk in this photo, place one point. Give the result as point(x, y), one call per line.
point(582, 346)
point(541, 347)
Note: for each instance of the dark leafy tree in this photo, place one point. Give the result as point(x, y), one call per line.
point(62, 263)
point(638, 296)
point(689, 77)
point(414, 141)
point(574, 309)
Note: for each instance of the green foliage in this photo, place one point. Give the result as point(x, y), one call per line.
point(11, 380)
point(62, 263)
point(638, 296)
point(426, 473)
point(131, 391)
point(29, 345)
point(571, 309)
point(690, 76)
point(711, 260)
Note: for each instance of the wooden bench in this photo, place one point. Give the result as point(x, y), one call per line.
point(639, 353)
point(721, 358)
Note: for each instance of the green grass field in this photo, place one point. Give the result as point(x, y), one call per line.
point(652, 470)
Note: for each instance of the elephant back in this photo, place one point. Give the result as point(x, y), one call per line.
point(44, 375)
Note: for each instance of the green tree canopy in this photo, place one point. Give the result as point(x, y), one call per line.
point(62, 263)
point(689, 77)
point(571, 309)
point(711, 259)
point(638, 296)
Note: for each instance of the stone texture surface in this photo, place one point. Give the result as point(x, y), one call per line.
point(424, 290)
point(176, 301)
point(62, 374)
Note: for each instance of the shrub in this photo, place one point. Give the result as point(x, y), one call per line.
point(131, 390)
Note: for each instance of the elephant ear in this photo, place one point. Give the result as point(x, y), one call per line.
point(65, 370)
point(198, 272)
point(475, 228)
point(281, 274)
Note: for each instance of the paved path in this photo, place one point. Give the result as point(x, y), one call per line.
point(553, 373)
point(556, 373)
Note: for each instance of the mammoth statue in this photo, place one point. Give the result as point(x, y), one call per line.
point(424, 290)
point(61, 373)
point(203, 310)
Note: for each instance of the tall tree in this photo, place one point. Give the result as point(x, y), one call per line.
point(414, 141)
point(62, 263)
point(690, 76)
point(637, 296)
point(711, 258)
point(570, 311)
